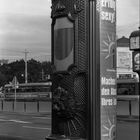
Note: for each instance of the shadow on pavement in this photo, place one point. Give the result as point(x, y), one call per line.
point(3, 137)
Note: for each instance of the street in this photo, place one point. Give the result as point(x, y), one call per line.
point(24, 126)
point(128, 130)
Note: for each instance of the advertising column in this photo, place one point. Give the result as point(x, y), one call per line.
point(108, 69)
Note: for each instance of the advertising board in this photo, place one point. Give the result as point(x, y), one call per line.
point(124, 59)
point(108, 69)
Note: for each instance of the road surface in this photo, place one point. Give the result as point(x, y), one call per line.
point(128, 130)
point(22, 126)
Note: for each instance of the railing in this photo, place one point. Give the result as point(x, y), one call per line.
point(127, 105)
point(25, 106)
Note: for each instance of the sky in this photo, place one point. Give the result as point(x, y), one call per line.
point(26, 24)
point(128, 17)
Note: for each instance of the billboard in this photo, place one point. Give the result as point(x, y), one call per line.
point(124, 59)
point(108, 69)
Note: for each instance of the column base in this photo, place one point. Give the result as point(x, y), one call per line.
point(62, 137)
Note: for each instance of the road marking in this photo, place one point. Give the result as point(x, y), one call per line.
point(42, 118)
point(18, 121)
point(31, 127)
point(2, 120)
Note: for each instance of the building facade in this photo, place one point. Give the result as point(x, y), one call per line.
point(127, 80)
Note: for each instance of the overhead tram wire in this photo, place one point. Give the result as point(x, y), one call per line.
point(127, 28)
point(46, 56)
point(31, 52)
point(39, 56)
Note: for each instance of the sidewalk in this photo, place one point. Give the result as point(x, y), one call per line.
point(27, 113)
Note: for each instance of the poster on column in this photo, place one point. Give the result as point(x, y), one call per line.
point(108, 69)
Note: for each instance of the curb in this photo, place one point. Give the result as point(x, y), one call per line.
point(27, 113)
point(128, 119)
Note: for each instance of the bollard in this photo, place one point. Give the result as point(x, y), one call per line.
point(37, 106)
point(24, 106)
point(13, 105)
point(2, 105)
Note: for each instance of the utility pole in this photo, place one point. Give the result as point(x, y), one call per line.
point(26, 73)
